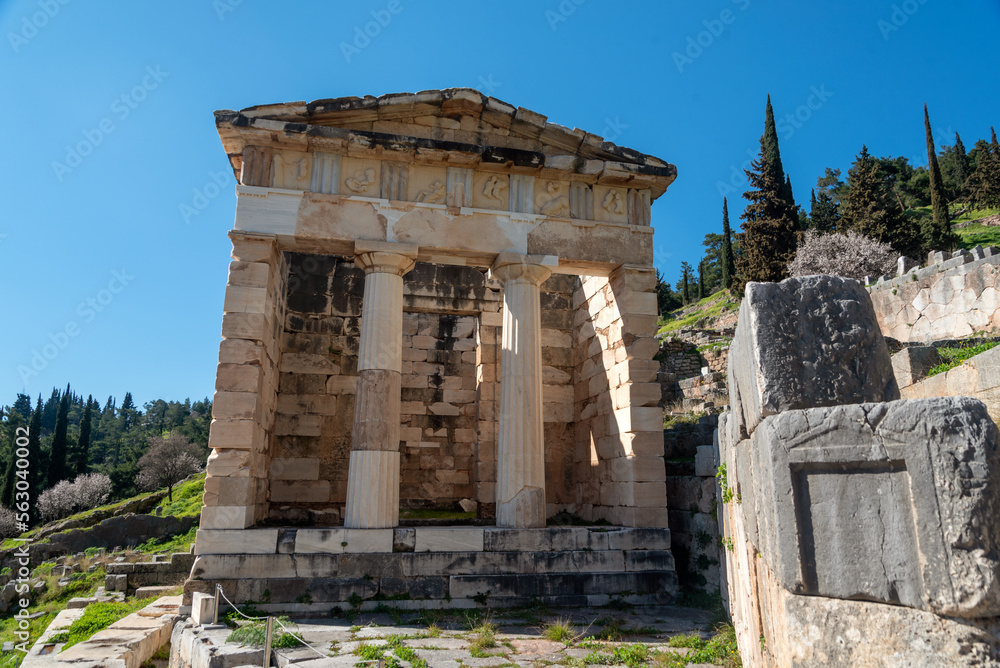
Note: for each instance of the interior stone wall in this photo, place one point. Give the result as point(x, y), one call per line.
point(450, 376)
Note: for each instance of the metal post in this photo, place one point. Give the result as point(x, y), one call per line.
point(267, 642)
point(215, 615)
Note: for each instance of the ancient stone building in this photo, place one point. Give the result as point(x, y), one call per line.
point(435, 298)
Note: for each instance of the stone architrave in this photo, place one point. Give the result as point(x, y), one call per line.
point(520, 448)
point(373, 473)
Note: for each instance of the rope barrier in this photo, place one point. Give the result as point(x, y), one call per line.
point(257, 619)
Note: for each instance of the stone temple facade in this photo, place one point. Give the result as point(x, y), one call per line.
point(436, 299)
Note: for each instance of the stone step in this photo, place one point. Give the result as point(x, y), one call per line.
point(319, 594)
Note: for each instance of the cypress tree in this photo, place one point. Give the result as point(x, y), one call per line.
point(83, 444)
point(57, 454)
point(768, 241)
point(10, 475)
point(685, 282)
point(35, 458)
point(961, 164)
point(936, 231)
point(728, 266)
point(701, 280)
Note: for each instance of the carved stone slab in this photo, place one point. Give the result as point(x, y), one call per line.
point(893, 502)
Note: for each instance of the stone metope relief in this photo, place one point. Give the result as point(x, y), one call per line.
point(495, 190)
point(433, 195)
point(613, 203)
point(360, 181)
point(287, 172)
point(557, 204)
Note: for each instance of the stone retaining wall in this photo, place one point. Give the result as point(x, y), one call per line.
point(950, 298)
point(127, 577)
point(116, 532)
point(692, 500)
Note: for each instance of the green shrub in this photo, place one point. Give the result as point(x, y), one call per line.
point(955, 356)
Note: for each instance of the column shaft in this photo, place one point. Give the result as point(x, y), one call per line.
point(373, 471)
point(521, 447)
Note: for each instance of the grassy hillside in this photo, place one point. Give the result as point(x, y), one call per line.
point(709, 309)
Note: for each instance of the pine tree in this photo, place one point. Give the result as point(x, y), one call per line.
point(823, 215)
point(768, 241)
point(728, 265)
point(984, 184)
point(83, 443)
point(57, 453)
point(872, 209)
point(936, 230)
point(35, 459)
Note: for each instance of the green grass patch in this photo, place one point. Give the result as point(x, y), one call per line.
point(97, 617)
point(709, 307)
point(719, 650)
point(671, 421)
point(955, 356)
point(8, 625)
point(632, 656)
point(180, 543)
point(978, 235)
point(255, 633)
point(187, 498)
point(972, 214)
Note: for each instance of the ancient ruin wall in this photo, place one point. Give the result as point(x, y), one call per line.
point(619, 427)
point(949, 299)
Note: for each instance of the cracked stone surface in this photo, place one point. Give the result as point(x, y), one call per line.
point(805, 342)
point(893, 502)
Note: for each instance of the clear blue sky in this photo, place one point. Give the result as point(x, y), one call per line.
point(617, 69)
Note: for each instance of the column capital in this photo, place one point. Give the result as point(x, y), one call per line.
point(532, 269)
point(384, 257)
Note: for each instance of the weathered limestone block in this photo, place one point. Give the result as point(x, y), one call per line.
point(912, 364)
point(805, 342)
point(894, 503)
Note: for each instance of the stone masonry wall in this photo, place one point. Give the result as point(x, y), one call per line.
point(450, 373)
point(949, 299)
point(243, 411)
point(619, 442)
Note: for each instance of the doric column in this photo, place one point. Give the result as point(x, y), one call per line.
point(373, 473)
point(521, 448)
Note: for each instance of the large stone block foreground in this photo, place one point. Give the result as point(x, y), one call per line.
point(805, 342)
point(863, 532)
point(895, 503)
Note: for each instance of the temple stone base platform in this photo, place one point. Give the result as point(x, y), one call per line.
point(311, 570)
